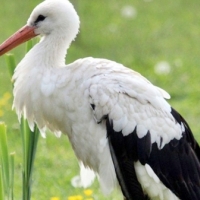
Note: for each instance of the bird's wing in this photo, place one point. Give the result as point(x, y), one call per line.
point(141, 126)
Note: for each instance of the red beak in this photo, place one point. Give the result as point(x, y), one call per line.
point(22, 35)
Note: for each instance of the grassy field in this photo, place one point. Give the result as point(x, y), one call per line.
point(159, 39)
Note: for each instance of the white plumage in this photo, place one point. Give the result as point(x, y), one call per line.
point(118, 123)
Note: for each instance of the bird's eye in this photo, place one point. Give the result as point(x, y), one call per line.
point(40, 18)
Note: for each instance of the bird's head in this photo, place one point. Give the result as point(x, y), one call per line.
point(51, 17)
point(54, 16)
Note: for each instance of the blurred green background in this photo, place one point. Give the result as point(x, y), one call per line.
point(159, 39)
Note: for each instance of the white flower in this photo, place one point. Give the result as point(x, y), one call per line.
point(162, 67)
point(128, 11)
point(76, 182)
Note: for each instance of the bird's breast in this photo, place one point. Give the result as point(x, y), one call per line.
point(50, 100)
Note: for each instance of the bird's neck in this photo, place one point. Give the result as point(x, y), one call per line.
point(51, 52)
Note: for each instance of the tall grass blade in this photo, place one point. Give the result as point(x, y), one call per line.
point(29, 45)
point(10, 61)
point(1, 184)
point(6, 167)
point(4, 157)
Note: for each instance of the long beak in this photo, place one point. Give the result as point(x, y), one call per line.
point(22, 35)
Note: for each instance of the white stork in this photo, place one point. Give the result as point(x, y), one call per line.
point(118, 123)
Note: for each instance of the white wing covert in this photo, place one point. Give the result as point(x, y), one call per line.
point(130, 100)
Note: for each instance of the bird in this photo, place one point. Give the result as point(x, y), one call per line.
point(119, 124)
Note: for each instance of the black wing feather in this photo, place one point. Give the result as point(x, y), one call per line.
point(124, 165)
point(177, 164)
point(123, 157)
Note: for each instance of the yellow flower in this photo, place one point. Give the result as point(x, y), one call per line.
point(4, 99)
point(77, 197)
point(88, 192)
point(2, 102)
point(7, 95)
point(55, 198)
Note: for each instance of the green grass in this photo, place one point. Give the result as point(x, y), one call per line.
point(164, 30)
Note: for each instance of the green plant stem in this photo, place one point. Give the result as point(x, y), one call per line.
point(29, 141)
point(12, 165)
